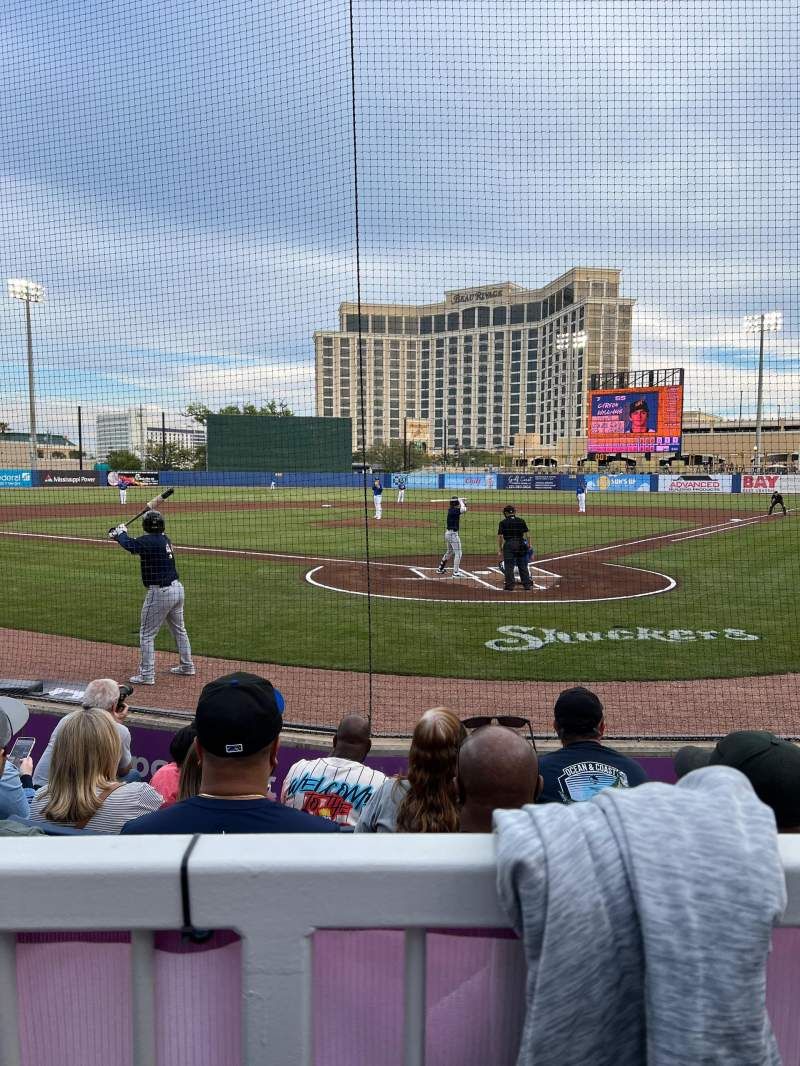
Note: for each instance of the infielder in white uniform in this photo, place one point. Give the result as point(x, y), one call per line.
point(377, 492)
point(580, 493)
point(122, 482)
point(401, 489)
point(451, 535)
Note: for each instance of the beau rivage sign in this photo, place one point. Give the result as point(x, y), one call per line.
point(476, 296)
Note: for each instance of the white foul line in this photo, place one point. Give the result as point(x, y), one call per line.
point(722, 529)
point(416, 570)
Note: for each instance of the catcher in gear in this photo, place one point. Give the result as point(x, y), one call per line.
point(164, 599)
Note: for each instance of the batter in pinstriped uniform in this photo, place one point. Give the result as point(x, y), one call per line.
point(452, 537)
point(164, 599)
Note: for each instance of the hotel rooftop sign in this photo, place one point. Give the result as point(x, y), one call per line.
point(471, 296)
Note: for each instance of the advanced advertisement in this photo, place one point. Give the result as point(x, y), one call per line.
point(635, 420)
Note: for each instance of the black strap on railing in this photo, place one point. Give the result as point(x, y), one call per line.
point(188, 932)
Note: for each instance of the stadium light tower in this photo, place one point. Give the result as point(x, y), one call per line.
point(30, 292)
point(764, 322)
point(568, 342)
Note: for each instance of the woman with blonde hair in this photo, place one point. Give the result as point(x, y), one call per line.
point(425, 801)
point(82, 790)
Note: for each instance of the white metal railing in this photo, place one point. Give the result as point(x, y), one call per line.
point(274, 891)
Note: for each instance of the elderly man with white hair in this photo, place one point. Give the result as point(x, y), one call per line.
point(106, 694)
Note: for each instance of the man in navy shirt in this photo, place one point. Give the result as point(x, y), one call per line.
point(584, 766)
point(238, 720)
point(164, 599)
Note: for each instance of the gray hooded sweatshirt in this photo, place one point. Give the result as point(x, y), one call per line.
point(646, 917)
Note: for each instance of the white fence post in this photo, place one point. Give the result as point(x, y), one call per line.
point(143, 983)
point(415, 1008)
point(9, 1025)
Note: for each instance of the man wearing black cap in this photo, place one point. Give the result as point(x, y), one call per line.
point(583, 767)
point(513, 548)
point(238, 722)
point(771, 765)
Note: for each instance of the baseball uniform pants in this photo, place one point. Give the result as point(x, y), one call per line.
point(581, 502)
point(401, 495)
point(453, 541)
point(122, 495)
point(162, 605)
point(772, 507)
point(378, 506)
point(516, 557)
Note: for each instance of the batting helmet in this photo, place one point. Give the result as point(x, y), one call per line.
point(454, 499)
point(509, 510)
point(153, 522)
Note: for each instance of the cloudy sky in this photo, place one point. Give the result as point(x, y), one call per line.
point(179, 175)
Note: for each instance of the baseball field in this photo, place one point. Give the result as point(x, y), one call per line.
point(642, 587)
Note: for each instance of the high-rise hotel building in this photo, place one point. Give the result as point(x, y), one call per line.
point(482, 367)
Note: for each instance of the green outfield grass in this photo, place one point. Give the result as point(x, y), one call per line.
point(264, 611)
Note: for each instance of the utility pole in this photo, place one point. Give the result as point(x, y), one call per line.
point(29, 292)
point(765, 321)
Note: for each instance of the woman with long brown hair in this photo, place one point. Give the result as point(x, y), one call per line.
point(82, 790)
point(425, 801)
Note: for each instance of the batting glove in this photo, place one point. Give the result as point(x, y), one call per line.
point(115, 532)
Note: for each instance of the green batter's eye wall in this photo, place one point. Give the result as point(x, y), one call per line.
point(265, 442)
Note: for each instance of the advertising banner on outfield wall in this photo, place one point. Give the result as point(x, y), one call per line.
point(15, 479)
point(417, 481)
point(695, 482)
point(56, 478)
point(617, 482)
point(770, 483)
point(140, 477)
point(470, 481)
point(528, 481)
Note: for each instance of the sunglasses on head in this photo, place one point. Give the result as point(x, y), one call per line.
point(510, 721)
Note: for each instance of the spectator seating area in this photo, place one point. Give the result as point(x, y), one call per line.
point(392, 946)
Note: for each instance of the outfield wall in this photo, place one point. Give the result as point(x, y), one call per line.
point(450, 482)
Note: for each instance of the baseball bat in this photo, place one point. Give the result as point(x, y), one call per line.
point(151, 505)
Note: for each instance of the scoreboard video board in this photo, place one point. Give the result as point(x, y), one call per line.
point(635, 419)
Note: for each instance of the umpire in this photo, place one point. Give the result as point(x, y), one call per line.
point(164, 599)
point(512, 546)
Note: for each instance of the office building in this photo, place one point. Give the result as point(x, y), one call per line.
point(137, 428)
point(486, 365)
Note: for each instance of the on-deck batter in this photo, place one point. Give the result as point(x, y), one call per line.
point(164, 599)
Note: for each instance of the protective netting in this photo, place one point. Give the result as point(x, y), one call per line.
point(500, 252)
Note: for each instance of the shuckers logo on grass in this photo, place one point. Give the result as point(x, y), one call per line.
point(532, 638)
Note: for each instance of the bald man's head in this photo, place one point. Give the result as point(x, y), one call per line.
point(497, 769)
point(352, 738)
